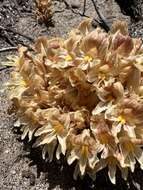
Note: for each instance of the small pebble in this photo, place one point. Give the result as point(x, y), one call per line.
point(13, 172)
point(7, 151)
point(30, 175)
point(75, 4)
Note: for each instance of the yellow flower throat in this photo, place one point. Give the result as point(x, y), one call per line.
point(121, 119)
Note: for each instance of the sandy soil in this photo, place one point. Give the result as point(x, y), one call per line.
point(21, 168)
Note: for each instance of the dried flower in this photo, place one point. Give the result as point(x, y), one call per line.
point(44, 11)
point(83, 97)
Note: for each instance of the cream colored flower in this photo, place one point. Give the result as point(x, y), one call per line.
point(51, 132)
point(17, 86)
point(103, 135)
point(84, 150)
point(130, 152)
point(112, 163)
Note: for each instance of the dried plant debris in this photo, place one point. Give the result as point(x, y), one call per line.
point(83, 98)
point(44, 11)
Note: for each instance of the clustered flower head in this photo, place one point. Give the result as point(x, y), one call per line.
point(44, 10)
point(83, 98)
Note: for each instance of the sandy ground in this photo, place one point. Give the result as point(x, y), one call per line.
point(21, 168)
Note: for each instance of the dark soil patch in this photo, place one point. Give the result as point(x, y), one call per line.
point(22, 168)
point(131, 8)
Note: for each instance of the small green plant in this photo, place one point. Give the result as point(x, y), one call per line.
point(83, 97)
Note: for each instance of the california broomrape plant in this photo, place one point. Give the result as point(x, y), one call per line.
point(83, 98)
point(44, 10)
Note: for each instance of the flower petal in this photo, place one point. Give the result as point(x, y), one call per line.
point(112, 173)
point(139, 156)
point(46, 139)
point(101, 107)
point(50, 148)
point(62, 142)
point(76, 172)
point(47, 128)
point(72, 157)
point(82, 164)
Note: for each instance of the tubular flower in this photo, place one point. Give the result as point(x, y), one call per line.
point(83, 98)
point(83, 150)
point(53, 131)
point(112, 163)
point(130, 152)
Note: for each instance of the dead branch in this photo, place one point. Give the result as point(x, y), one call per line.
point(5, 35)
point(8, 49)
point(84, 7)
point(4, 68)
point(16, 32)
point(81, 14)
point(75, 12)
point(101, 21)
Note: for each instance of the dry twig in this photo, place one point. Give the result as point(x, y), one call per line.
point(8, 49)
point(16, 32)
point(101, 21)
point(4, 68)
point(75, 12)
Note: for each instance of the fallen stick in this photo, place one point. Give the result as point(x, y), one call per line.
point(8, 49)
point(102, 21)
point(84, 7)
point(4, 68)
point(77, 12)
point(16, 32)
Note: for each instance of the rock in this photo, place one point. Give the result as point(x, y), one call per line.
point(6, 151)
point(30, 175)
point(75, 4)
point(13, 172)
